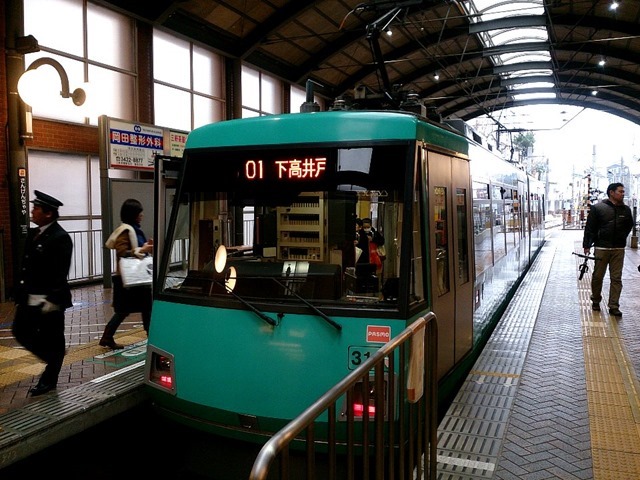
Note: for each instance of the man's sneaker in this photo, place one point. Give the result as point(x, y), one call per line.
point(615, 312)
point(595, 307)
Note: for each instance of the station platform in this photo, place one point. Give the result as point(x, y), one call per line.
point(554, 394)
point(95, 382)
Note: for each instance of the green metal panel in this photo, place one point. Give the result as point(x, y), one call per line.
point(237, 362)
point(323, 127)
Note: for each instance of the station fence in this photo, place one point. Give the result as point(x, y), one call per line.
point(404, 448)
point(88, 245)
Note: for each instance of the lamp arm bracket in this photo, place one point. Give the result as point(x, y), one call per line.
point(78, 96)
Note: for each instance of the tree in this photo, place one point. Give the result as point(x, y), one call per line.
point(523, 142)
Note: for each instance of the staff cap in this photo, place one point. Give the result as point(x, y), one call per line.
point(43, 199)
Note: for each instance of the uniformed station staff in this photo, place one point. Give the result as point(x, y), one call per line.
point(43, 292)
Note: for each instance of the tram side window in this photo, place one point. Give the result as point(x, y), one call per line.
point(440, 229)
point(533, 211)
point(513, 215)
point(417, 287)
point(497, 206)
point(482, 226)
point(463, 236)
point(525, 207)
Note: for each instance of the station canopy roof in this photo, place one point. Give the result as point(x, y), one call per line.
point(460, 59)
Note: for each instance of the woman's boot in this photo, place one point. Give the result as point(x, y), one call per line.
point(107, 339)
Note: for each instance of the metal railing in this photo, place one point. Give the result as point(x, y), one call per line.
point(403, 448)
point(86, 262)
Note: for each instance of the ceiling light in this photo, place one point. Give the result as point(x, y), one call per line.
point(389, 32)
point(594, 92)
point(614, 5)
point(436, 76)
point(602, 62)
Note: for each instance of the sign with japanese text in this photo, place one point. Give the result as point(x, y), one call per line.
point(133, 145)
point(177, 141)
point(285, 169)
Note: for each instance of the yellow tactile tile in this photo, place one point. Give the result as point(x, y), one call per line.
point(93, 349)
point(7, 353)
point(28, 370)
point(612, 395)
point(615, 465)
point(594, 329)
point(604, 398)
point(599, 350)
point(603, 373)
point(13, 376)
point(604, 441)
point(29, 366)
point(619, 409)
point(606, 387)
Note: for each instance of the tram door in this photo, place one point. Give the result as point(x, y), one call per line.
point(449, 193)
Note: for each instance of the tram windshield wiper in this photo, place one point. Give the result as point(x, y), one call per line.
point(262, 315)
point(316, 310)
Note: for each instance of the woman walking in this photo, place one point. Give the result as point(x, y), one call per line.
point(128, 240)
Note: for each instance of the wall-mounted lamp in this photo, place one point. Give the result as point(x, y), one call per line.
point(31, 90)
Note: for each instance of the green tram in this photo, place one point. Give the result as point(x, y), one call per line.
point(263, 299)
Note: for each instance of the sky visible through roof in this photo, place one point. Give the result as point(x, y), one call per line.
point(574, 140)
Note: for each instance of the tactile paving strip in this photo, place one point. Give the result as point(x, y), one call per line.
point(475, 434)
point(589, 394)
point(612, 388)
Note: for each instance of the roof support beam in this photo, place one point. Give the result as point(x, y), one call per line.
point(514, 67)
point(506, 82)
point(518, 21)
point(516, 47)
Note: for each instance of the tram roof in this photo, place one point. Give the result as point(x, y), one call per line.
point(324, 127)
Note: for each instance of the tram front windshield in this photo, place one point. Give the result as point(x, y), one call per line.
point(289, 225)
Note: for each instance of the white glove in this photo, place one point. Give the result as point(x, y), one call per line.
point(48, 307)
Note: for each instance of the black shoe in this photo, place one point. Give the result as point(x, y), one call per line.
point(595, 307)
point(42, 388)
point(111, 343)
point(615, 312)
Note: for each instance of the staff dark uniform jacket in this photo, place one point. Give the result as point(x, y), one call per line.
point(42, 291)
point(46, 261)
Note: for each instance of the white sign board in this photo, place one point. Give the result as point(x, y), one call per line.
point(133, 145)
point(178, 141)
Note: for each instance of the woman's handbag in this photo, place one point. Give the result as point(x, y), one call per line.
point(130, 299)
point(136, 271)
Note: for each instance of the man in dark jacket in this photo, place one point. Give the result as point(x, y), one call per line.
point(43, 292)
point(608, 226)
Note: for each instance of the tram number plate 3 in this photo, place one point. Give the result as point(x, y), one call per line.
point(358, 355)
